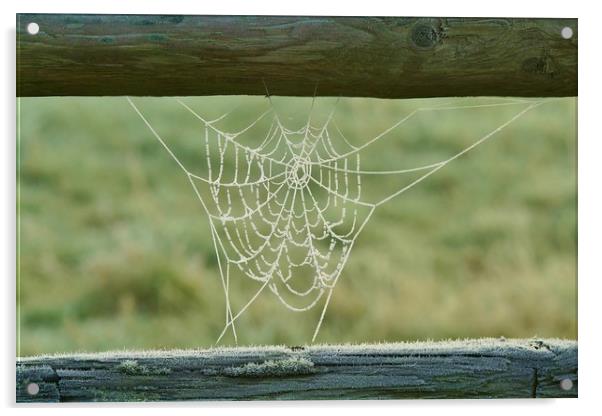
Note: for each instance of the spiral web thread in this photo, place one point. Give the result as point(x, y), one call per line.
point(266, 218)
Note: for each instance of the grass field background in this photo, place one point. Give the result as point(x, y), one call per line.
point(115, 251)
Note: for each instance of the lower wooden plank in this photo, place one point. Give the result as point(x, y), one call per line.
point(483, 368)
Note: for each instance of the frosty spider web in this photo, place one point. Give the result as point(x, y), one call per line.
point(294, 204)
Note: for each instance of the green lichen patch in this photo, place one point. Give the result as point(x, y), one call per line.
point(133, 368)
point(273, 368)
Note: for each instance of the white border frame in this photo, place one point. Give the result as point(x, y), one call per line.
point(589, 210)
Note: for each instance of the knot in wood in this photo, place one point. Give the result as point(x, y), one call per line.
point(424, 36)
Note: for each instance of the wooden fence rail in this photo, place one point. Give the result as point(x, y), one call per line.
point(392, 57)
point(486, 368)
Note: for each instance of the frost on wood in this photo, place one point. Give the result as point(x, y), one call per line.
point(273, 368)
point(486, 368)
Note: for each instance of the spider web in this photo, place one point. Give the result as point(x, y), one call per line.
point(294, 204)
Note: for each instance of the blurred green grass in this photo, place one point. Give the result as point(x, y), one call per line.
point(114, 251)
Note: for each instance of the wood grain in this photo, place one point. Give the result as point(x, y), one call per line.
point(389, 57)
point(485, 368)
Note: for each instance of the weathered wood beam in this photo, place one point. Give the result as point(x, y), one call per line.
point(482, 368)
point(389, 57)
